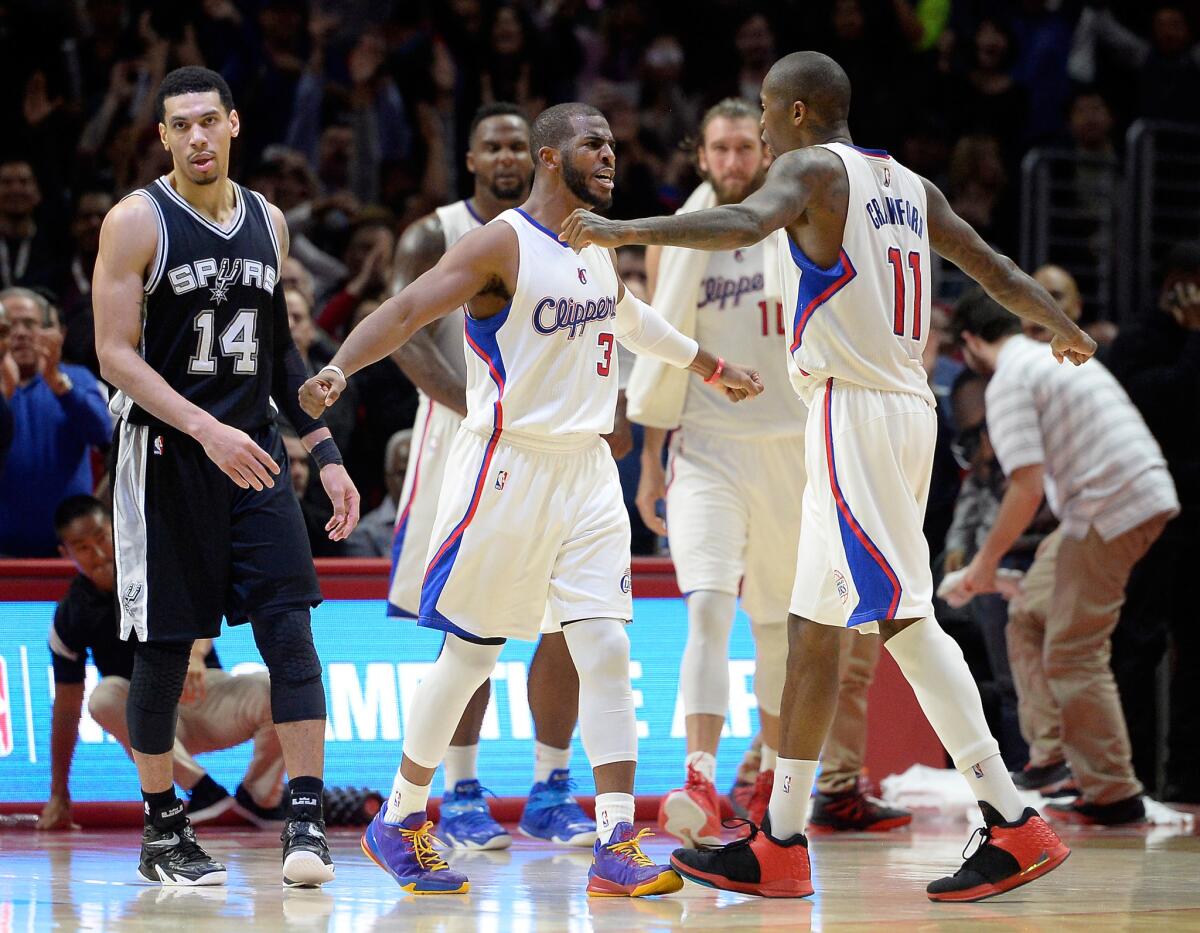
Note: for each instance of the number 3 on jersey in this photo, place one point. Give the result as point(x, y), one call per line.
point(237, 341)
point(914, 263)
point(605, 342)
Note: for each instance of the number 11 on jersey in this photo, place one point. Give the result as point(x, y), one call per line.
point(914, 263)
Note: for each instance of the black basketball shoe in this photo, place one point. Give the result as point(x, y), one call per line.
point(171, 856)
point(306, 859)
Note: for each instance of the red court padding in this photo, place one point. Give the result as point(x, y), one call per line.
point(898, 734)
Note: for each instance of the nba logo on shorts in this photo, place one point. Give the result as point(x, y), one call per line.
point(6, 730)
point(501, 479)
point(158, 445)
point(842, 588)
point(627, 581)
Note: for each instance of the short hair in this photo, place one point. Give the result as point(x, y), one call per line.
point(191, 79)
point(816, 79)
point(731, 108)
point(982, 316)
point(394, 442)
point(554, 126)
point(500, 108)
point(44, 305)
point(74, 507)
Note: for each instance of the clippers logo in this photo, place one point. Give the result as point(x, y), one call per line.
point(501, 479)
point(226, 276)
point(158, 445)
point(627, 581)
point(738, 256)
point(843, 587)
point(130, 597)
point(977, 771)
point(582, 276)
point(6, 726)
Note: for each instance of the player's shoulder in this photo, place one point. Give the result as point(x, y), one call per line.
point(424, 234)
point(810, 161)
point(132, 225)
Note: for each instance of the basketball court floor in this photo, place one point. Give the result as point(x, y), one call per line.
point(1133, 879)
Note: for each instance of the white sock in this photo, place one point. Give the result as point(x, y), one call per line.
point(612, 809)
point(991, 782)
point(547, 758)
point(460, 764)
point(703, 762)
point(790, 795)
point(769, 757)
point(407, 798)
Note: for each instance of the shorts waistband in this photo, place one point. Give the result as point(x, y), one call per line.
point(546, 443)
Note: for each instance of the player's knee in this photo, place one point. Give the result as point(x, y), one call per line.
point(286, 645)
point(599, 648)
point(159, 670)
point(106, 704)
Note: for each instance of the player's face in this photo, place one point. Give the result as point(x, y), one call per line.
point(778, 125)
point(198, 131)
point(732, 158)
point(87, 542)
point(499, 157)
point(589, 163)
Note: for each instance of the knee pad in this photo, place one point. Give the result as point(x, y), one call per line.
point(770, 664)
point(286, 645)
point(607, 724)
point(159, 670)
point(704, 671)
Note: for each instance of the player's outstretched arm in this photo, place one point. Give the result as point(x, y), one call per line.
point(782, 199)
point(953, 238)
point(128, 242)
point(421, 359)
point(481, 263)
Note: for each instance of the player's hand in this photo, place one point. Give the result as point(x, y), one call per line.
point(1078, 347)
point(239, 458)
point(652, 489)
point(583, 228)
point(56, 814)
point(345, 499)
point(194, 687)
point(739, 382)
point(321, 391)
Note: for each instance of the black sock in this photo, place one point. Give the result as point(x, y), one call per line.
point(304, 798)
point(205, 783)
point(162, 808)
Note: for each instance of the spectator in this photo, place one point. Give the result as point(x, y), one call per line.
point(373, 536)
point(217, 711)
point(317, 516)
point(514, 65)
point(1062, 288)
point(75, 291)
point(1075, 434)
point(28, 250)
point(368, 263)
point(978, 184)
point(316, 348)
point(1158, 363)
point(8, 382)
point(58, 413)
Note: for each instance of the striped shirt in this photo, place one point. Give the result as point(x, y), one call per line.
point(1103, 468)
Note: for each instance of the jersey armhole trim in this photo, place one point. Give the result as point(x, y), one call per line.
point(158, 266)
point(262, 203)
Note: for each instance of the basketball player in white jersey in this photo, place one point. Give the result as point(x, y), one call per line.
point(530, 509)
point(854, 252)
point(733, 489)
point(498, 158)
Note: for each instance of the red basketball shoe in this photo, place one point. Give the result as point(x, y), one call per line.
point(760, 864)
point(693, 812)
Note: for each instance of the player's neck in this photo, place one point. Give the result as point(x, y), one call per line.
point(837, 133)
point(488, 206)
point(551, 208)
point(215, 201)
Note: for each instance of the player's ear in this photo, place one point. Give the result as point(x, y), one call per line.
point(162, 136)
point(799, 112)
point(235, 123)
point(470, 162)
point(549, 157)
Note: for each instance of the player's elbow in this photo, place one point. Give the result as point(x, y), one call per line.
point(748, 226)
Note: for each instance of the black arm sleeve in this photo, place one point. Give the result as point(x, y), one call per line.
point(288, 373)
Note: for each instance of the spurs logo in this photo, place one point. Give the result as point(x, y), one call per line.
point(130, 596)
point(227, 276)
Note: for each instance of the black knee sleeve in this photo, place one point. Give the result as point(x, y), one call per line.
point(286, 645)
point(159, 670)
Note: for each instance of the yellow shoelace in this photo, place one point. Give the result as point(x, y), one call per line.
point(423, 842)
point(632, 849)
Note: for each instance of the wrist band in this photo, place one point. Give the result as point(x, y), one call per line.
point(716, 374)
point(326, 452)
point(336, 369)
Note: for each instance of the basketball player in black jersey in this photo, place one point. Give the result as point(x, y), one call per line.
point(192, 330)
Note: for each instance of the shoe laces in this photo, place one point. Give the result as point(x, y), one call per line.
point(188, 849)
point(985, 837)
point(559, 791)
point(631, 849)
point(423, 842)
point(695, 780)
point(738, 823)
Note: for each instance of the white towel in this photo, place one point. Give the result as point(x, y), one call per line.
point(657, 390)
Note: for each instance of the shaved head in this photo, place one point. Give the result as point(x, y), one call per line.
point(555, 126)
point(815, 79)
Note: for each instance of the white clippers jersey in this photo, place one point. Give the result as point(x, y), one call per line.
point(458, 219)
point(546, 366)
point(866, 318)
point(734, 318)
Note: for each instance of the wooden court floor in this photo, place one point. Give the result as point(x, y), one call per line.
point(1135, 879)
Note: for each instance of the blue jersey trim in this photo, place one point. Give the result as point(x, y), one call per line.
point(470, 210)
point(817, 286)
point(546, 230)
point(874, 153)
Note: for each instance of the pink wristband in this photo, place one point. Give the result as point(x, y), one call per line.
point(716, 372)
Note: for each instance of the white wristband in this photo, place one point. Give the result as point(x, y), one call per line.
point(336, 369)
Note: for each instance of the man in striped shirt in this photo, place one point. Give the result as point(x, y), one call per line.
point(1077, 437)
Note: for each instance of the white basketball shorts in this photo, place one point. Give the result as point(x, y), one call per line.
point(733, 515)
point(522, 530)
point(862, 555)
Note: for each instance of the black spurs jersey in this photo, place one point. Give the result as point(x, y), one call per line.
point(207, 321)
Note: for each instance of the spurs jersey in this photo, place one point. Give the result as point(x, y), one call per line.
point(546, 366)
point(733, 315)
point(865, 319)
point(457, 219)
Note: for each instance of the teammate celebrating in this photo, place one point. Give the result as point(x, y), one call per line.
point(854, 252)
point(193, 332)
point(530, 510)
point(435, 362)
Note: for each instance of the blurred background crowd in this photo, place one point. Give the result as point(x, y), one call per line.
point(355, 116)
